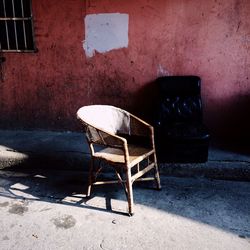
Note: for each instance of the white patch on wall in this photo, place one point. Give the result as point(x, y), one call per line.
point(105, 32)
point(161, 71)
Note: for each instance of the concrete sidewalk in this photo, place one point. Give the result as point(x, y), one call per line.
point(69, 150)
point(43, 203)
point(45, 209)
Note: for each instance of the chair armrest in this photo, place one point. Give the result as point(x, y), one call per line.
point(111, 141)
point(104, 138)
point(140, 127)
point(97, 136)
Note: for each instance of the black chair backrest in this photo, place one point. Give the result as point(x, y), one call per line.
point(180, 99)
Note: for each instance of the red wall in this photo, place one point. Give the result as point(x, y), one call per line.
point(206, 38)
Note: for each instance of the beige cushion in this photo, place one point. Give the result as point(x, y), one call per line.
point(105, 117)
point(136, 154)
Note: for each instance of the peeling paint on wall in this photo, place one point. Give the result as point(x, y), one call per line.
point(161, 71)
point(105, 32)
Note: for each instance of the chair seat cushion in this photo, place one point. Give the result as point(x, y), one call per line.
point(115, 155)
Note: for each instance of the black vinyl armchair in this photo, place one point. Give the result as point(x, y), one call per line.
point(180, 133)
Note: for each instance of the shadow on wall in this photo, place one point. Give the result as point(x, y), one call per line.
point(229, 119)
point(144, 102)
point(113, 90)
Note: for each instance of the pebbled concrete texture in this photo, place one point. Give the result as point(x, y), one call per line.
point(45, 209)
point(43, 205)
point(69, 150)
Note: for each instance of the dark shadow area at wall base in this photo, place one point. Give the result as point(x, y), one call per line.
point(69, 151)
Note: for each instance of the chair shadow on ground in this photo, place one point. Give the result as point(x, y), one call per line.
point(206, 201)
point(65, 187)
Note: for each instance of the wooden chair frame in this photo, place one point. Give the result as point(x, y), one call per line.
point(118, 153)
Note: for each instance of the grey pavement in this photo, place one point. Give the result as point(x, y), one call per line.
point(43, 205)
point(47, 209)
point(69, 150)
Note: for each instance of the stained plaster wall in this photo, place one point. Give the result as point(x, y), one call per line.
point(206, 38)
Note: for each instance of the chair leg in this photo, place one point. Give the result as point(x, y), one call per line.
point(129, 192)
point(157, 175)
point(90, 177)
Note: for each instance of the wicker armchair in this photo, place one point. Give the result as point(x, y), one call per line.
point(122, 140)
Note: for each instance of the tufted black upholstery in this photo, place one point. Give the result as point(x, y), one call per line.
point(181, 136)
